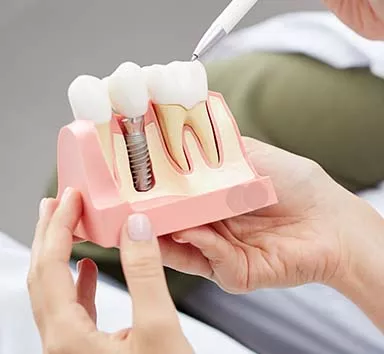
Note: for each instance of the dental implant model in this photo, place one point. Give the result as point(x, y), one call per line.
point(89, 100)
point(176, 150)
point(129, 97)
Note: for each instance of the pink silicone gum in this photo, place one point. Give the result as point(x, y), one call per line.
point(81, 165)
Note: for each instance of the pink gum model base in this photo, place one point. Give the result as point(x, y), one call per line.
point(81, 165)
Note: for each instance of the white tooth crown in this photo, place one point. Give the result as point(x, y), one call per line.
point(182, 83)
point(128, 90)
point(89, 99)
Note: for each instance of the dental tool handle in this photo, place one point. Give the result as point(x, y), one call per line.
point(234, 13)
point(223, 25)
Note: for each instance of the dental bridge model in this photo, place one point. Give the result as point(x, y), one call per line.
point(154, 140)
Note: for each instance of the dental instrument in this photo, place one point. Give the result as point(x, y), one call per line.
point(222, 26)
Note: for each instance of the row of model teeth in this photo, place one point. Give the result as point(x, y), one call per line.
point(178, 91)
point(130, 88)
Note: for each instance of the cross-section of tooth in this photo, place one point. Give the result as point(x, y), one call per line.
point(179, 91)
point(171, 120)
point(199, 121)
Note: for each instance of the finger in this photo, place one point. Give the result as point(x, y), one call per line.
point(153, 308)
point(58, 242)
point(54, 272)
point(86, 286)
point(212, 246)
point(184, 257)
point(221, 253)
point(121, 335)
point(46, 209)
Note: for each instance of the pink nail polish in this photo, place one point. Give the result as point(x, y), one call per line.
point(139, 228)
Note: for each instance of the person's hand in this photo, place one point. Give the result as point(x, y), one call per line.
point(312, 235)
point(65, 312)
point(366, 17)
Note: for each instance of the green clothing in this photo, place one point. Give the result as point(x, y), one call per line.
point(335, 117)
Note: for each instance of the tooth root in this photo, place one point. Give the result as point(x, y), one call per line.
point(171, 119)
point(198, 120)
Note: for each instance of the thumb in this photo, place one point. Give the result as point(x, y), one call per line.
point(143, 269)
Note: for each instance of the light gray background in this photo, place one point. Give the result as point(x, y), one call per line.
point(45, 44)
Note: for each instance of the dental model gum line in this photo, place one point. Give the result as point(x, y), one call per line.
point(129, 97)
point(179, 92)
point(89, 100)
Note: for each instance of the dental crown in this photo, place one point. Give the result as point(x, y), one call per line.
point(182, 82)
point(128, 90)
point(89, 99)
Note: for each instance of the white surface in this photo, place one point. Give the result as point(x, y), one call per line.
point(315, 34)
point(18, 333)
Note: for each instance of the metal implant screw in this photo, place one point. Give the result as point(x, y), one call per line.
point(138, 153)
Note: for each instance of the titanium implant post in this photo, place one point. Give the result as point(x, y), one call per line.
point(138, 153)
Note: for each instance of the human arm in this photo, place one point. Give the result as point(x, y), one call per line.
point(362, 280)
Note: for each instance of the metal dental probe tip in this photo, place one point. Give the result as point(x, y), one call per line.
point(211, 38)
point(138, 153)
point(223, 25)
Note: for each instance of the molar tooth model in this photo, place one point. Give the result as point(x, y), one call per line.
point(171, 149)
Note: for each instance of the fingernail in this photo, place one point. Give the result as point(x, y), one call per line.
point(139, 228)
point(42, 207)
point(178, 239)
point(78, 265)
point(66, 194)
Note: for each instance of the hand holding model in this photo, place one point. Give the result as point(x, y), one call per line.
point(313, 235)
point(364, 16)
point(66, 315)
point(318, 232)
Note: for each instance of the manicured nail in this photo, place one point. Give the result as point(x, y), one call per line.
point(42, 207)
point(78, 265)
point(66, 195)
point(139, 228)
point(178, 239)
